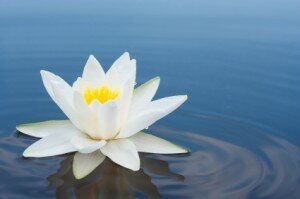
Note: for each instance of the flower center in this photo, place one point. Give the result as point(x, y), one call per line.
point(101, 93)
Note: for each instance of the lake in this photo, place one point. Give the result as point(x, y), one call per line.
point(238, 61)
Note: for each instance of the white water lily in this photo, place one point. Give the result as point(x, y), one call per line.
point(106, 115)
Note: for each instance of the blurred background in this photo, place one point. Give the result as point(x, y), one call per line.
point(238, 61)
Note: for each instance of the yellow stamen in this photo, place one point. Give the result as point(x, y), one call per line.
point(101, 93)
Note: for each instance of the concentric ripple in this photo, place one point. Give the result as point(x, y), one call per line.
point(221, 169)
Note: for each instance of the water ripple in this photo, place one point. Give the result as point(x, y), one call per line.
point(215, 168)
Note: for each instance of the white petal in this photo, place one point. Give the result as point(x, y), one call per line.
point(47, 78)
point(79, 85)
point(80, 105)
point(151, 144)
point(145, 93)
point(107, 116)
point(64, 99)
point(118, 65)
point(43, 129)
point(61, 93)
point(84, 164)
point(132, 74)
point(121, 76)
point(93, 72)
point(150, 113)
point(88, 121)
point(122, 152)
point(167, 104)
point(123, 59)
point(54, 144)
point(121, 70)
point(140, 122)
point(124, 100)
point(84, 144)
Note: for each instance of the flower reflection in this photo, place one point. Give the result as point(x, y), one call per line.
point(110, 180)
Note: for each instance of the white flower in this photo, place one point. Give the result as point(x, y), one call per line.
point(106, 115)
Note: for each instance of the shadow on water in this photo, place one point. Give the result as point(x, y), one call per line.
point(111, 181)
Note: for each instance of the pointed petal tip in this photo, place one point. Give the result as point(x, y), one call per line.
point(125, 55)
point(156, 79)
point(19, 127)
point(135, 168)
point(183, 150)
point(44, 73)
point(25, 154)
point(79, 176)
point(92, 57)
point(150, 83)
point(180, 149)
point(24, 127)
point(28, 154)
point(181, 98)
point(92, 60)
point(93, 72)
point(153, 80)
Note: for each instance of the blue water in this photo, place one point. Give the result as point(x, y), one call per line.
point(238, 61)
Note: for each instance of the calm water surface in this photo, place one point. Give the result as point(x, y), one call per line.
point(238, 61)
